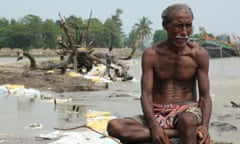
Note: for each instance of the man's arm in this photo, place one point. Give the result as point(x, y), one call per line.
point(146, 87)
point(157, 133)
point(205, 102)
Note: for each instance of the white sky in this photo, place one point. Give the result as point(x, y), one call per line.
point(217, 16)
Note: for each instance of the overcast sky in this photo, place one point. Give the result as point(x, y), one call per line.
point(217, 16)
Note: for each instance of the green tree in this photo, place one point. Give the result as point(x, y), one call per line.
point(19, 36)
point(95, 31)
point(4, 28)
point(76, 25)
point(34, 28)
point(50, 32)
point(4, 22)
point(113, 30)
point(132, 37)
point(143, 30)
point(159, 35)
point(202, 34)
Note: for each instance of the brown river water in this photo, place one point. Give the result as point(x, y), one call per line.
point(120, 99)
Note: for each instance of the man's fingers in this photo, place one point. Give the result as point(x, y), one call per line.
point(204, 138)
point(200, 134)
point(166, 139)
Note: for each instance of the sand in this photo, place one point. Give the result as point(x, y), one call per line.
point(121, 99)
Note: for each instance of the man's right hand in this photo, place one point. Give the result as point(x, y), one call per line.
point(203, 135)
point(159, 136)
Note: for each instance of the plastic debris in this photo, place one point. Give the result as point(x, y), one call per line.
point(95, 134)
point(3, 90)
point(84, 137)
point(96, 114)
point(50, 72)
point(58, 100)
point(19, 90)
point(98, 120)
point(51, 135)
point(34, 126)
point(97, 79)
point(74, 74)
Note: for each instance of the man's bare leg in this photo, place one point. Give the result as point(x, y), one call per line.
point(129, 130)
point(186, 126)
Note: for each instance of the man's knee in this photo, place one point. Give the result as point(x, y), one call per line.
point(113, 127)
point(187, 119)
point(187, 126)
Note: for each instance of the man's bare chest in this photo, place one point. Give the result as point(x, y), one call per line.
point(181, 67)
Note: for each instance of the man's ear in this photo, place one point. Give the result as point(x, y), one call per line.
point(164, 25)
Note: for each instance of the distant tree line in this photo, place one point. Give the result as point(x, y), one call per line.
point(32, 32)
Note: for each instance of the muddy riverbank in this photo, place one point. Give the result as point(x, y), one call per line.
point(120, 99)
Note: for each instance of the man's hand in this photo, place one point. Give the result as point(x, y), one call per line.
point(159, 136)
point(203, 135)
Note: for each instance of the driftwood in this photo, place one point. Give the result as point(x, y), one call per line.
point(235, 105)
point(81, 55)
point(35, 66)
point(71, 46)
point(87, 58)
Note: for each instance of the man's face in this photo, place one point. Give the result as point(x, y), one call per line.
point(180, 28)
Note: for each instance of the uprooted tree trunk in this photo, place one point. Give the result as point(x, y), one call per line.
point(88, 58)
point(49, 66)
point(70, 40)
point(80, 56)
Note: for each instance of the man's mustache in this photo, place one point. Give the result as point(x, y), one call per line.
point(182, 37)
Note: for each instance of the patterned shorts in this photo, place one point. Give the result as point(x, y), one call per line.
point(167, 114)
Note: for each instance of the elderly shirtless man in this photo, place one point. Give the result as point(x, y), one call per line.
point(169, 71)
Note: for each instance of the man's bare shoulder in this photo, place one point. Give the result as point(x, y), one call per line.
point(154, 49)
point(197, 50)
point(200, 55)
point(149, 51)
